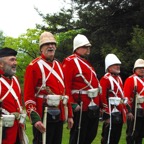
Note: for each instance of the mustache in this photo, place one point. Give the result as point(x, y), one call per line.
point(14, 66)
point(50, 49)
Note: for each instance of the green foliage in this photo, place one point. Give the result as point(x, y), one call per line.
point(58, 22)
point(2, 39)
point(27, 47)
point(111, 26)
point(65, 43)
point(137, 42)
point(134, 50)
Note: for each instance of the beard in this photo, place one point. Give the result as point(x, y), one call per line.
point(116, 71)
point(9, 70)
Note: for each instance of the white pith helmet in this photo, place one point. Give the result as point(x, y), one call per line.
point(46, 37)
point(111, 59)
point(138, 63)
point(80, 40)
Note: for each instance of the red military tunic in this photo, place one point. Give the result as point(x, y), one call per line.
point(106, 86)
point(75, 83)
point(132, 85)
point(10, 105)
point(33, 80)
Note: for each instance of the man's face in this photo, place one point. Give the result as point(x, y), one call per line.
point(140, 71)
point(9, 65)
point(83, 51)
point(115, 69)
point(48, 50)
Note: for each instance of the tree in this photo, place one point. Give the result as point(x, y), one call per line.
point(136, 45)
point(109, 25)
point(27, 47)
point(2, 39)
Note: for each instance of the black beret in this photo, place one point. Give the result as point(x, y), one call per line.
point(4, 52)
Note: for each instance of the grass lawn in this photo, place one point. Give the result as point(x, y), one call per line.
point(66, 134)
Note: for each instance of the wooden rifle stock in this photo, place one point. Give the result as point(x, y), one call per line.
point(134, 108)
point(45, 109)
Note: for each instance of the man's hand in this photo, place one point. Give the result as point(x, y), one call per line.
point(39, 125)
point(70, 123)
point(77, 108)
point(107, 121)
point(130, 116)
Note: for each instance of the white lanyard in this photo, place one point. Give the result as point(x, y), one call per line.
point(44, 78)
point(86, 65)
point(42, 63)
point(81, 74)
point(11, 90)
point(112, 81)
point(135, 82)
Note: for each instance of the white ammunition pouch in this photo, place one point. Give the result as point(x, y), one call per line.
point(114, 101)
point(125, 100)
point(53, 100)
point(140, 99)
point(93, 109)
point(8, 120)
point(92, 93)
point(22, 118)
point(65, 99)
point(116, 116)
point(139, 109)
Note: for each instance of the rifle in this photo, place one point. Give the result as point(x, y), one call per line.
point(1, 122)
point(80, 117)
point(45, 110)
point(134, 108)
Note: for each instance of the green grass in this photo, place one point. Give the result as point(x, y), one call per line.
point(66, 134)
point(97, 140)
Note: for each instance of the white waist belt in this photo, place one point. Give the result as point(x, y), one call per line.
point(16, 114)
point(79, 92)
point(55, 99)
point(42, 96)
point(46, 96)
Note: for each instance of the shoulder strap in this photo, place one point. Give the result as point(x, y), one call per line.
point(10, 90)
point(136, 78)
point(112, 81)
point(135, 82)
point(43, 74)
point(60, 69)
point(52, 71)
point(17, 83)
point(88, 83)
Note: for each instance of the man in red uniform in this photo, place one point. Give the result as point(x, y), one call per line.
point(81, 80)
point(112, 87)
point(10, 95)
point(44, 86)
point(134, 91)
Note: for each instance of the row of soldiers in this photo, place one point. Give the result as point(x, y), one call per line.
point(56, 92)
